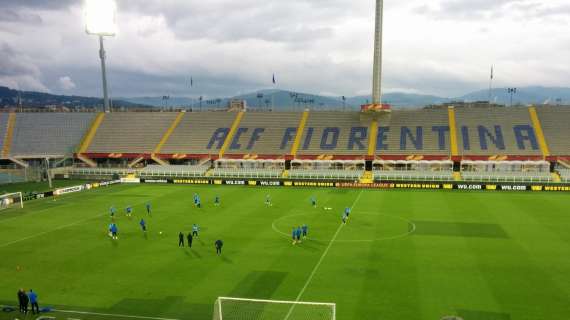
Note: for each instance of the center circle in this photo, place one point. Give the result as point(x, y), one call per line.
point(361, 227)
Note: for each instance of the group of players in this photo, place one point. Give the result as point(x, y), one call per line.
point(114, 230)
point(298, 233)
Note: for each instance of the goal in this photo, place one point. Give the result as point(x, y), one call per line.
point(10, 200)
point(227, 308)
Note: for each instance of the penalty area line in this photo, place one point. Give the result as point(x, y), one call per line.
point(115, 315)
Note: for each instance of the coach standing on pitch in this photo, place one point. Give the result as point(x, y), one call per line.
point(219, 244)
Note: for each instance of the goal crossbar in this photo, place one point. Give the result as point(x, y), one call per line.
point(280, 301)
point(232, 308)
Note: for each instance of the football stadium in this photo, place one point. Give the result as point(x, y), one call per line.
point(448, 212)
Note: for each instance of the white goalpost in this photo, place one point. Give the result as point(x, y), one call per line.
point(10, 200)
point(227, 308)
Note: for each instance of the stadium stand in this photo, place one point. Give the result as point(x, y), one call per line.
point(265, 133)
point(496, 131)
point(3, 127)
point(412, 132)
point(334, 133)
point(131, 133)
point(555, 124)
point(200, 133)
point(38, 135)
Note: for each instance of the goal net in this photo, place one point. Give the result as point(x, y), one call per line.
point(10, 200)
point(227, 308)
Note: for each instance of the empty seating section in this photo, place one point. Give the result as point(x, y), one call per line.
point(263, 133)
point(325, 174)
point(496, 131)
point(48, 134)
point(507, 176)
point(555, 123)
point(415, 132)
point(412, 175)
point(247, 173)
point(3, 127)
point(331, 132)
point(132, 132)
point(195, 132)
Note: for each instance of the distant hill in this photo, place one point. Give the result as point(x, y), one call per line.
point(287, 100)
point(9, 99)
point(526, 95)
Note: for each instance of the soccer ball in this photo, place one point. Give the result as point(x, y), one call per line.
point(160, 232)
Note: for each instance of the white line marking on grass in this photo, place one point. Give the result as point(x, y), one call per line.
point(58, 228)
point(320, 260)
point(116, 315)
point(112, 315)
point(49, 231)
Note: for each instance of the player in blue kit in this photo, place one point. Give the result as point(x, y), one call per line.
point(129, 211)
point(305, 230)
point(113, 231)
point(143, 225)
point(294, 235)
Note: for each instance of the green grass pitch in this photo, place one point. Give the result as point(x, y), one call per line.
point(402, 255)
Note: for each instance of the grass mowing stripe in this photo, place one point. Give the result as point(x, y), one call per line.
point(320, 260)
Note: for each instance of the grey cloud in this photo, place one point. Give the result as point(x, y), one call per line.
point(12, 16)
point(18, 71)
point(467, 9)
point(39, 4)
point(229, 20)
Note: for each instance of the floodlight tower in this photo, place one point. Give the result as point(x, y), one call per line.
point(100, 21)
point(377, 70)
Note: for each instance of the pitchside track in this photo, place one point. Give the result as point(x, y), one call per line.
point(402, 255)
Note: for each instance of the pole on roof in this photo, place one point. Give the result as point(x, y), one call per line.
point(377, 70)
point(107, 107)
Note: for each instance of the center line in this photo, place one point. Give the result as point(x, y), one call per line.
point(321, 260)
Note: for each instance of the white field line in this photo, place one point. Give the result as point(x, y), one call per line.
point(116, 315)
point(57, 229)
point(321, 260)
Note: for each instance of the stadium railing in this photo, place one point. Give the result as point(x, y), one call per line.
point(326, 174)
point(401, 175)
point(507, 176)
point(246, 173)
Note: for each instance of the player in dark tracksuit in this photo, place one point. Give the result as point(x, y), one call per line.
point(181, 239)
point(21, 295)
point(189, 238)
point(219, 244)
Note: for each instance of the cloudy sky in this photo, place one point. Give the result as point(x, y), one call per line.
point(441, 47)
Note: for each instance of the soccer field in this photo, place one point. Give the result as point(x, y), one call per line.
point(402, 255)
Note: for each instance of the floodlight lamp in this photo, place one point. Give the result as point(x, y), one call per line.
point(100, 17)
